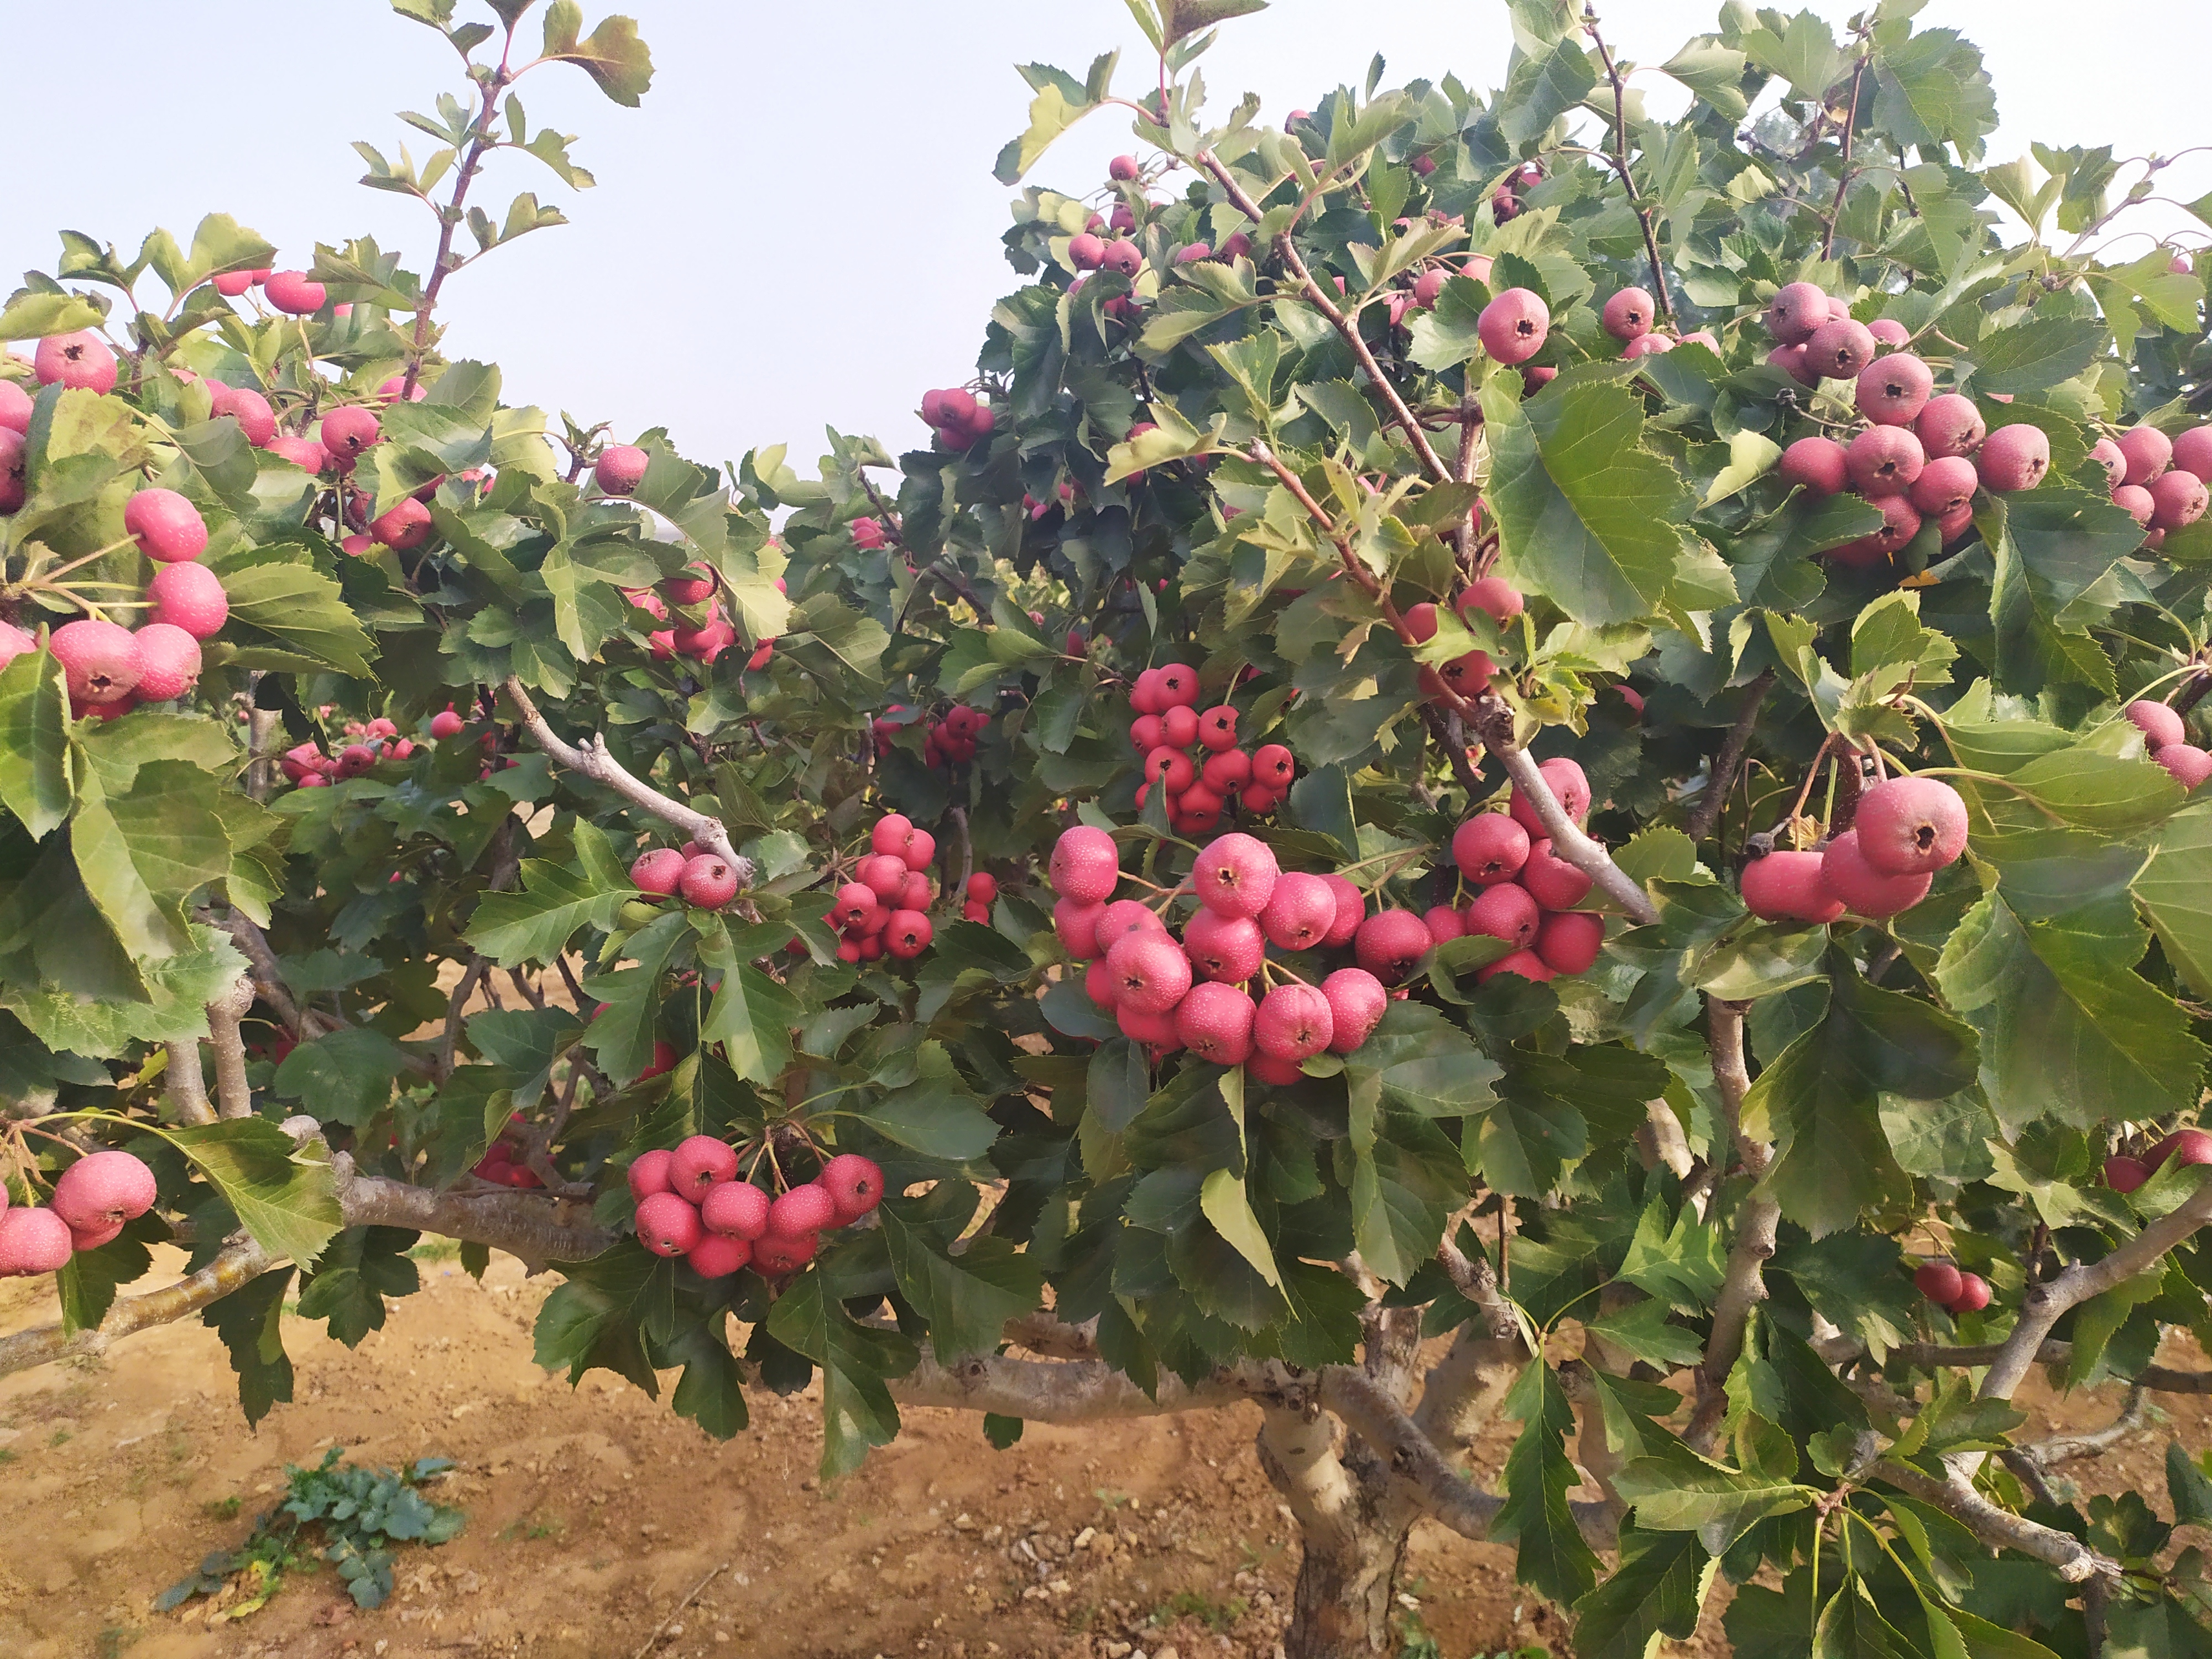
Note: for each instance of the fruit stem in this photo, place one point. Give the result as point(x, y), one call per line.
point(50, 578)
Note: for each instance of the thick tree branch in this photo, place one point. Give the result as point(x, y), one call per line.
point(1998, 1528)
point(1345, 324)
point(1707, 812)
point(2134, 1413)
point(592, 759)
point(1061, 1391)
point(450, 1035)
point(1494, 724)
point(305, 1024)
point(1928, 1356)
point(237, 1265)
point(188, 1095)
point(2044, 1304)
point(224, 1036)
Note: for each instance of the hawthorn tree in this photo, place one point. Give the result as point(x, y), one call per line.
point(1679, 486)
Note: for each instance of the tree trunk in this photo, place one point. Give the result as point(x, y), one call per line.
point(1354, 1531)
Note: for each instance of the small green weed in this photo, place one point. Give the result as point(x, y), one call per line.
point(362, 1514)
point(1216, 1616)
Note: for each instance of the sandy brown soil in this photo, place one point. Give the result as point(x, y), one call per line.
point(592, 1514)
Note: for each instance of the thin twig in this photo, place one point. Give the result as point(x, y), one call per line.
point(1843, 166)
point(1707, 812)
point(647, 1646)
point(1621, 163)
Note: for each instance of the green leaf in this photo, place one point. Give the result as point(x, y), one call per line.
point(1401, 1192)
point(711, 1392)
point(2175, 891)
point(1675, 1490)
point(612, 55)
point(857, 1412)
point(2187, 1485)
point(1588, 517)
point(280, 603)
point(2034, 355)
point(34, 751)
point(1682, 1265)
point(1538, 1475)
point(87, 1282)
point(1820, 1100)
point(32, 315)
point(535, 924)
point(287, 1200)
point(1052, 112)
point(250, 1322)
point(1224, 1202)
point(967, 1298)
point(143, 855)
point(360, 1269)
point(936, 1114)
point(1180, 19)
point(1118, 1083)
point(1930, 88)
point(2044, 969)
point(1641, 1328)
point(1657, 1590)
point(592, 1320)
point(344, 1076)
point(752, 1016)
point(1541, 89)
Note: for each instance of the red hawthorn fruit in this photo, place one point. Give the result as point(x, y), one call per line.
point(1884, 460)
point(1490, 848)
point(717, 1256)
point(1939, 1281)
point(1357, 1003)
point(1973, 1294)
point(1893, 390)
point(1214, 1021)
point(103, 1189)
point(1569, 787)
point(619, 470)
point(1909, 826)
point(667, 1224)
point(1504, 910)
point(1795, 311)
point(1627, 315)
point(698, 1163)
point(1273, 768)
point(1151, 973)
point(1526, 964)
point(658, 871)
point(1390, 943)
point(736, 1208)
point(854, 1183)
point(101, 661)
point(1951, 425)
point(346, 433)
point(1552, 882)
point(81, 360)
point(33, 1241)
point(1224, 948)
point(1085, 866)
point(1234, 875)
point(2125, 1174)
point(1513, 326)
point(1786, 886)
point(775, 1255)
point(1443, 922)
point(1569, 941)
point(2147, 452)
point(167, 528)
point(1077, 924)
point(1294, 1023)
point(804, 1209)
point(2013, 457)
point(1351, 910)
point(2160, 725)
point(709, 882)
point(908, 934)
point(1865, 890)
point(1299, 912)
point(1820, 465)
point(2188, 766)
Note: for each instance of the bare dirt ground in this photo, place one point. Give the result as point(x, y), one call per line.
point(592, 1514)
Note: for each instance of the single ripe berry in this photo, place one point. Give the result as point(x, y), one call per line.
point(1884, 460)
point(736, 1208)
point(709, 881)
point(168, 528)
point(854, 1183)
point(1945, 484)
point(103, 1189)
point(883, 874)
point(1939, 1281)
point(1910, 826)
point(1504, 911)
point(2013, 457)
point(1214, 1022)
point(2147, 452)
point(1795, 311)
point(2190, 766)
point(1077, 924)
point(1085, 866)
point(1490, 848)
point(2160, 725)
point(1840, 349)
point(1973, 1294)
point(1443, 922)
point(404, 528)
point(1293, 1023)
point(659, 871)
point(1151, 973)
point(1227, 948)
point(1552, 882)
point(99, 660)
point(1627, 315)
point(716, 1255)
point(1357, 1003)
point(1126, 916)
point(777, 1255)
point(803, 1209)
point(1865, 890)
point(667, 1224)
point(1569, 941)
point(1514, 326)
point(2178, 498)
point(1820, 466)
point(620, 469)
point(1234, 875)
point(1893, 390)
point(2182, 1146)
point(81, 360)
point(347, 432)
point(33, 1241)
point(1522, 964)
point(1951, 425)
point(648, 1173)
point(1299, 912)
point(700, 1162)
point(1786, 886)
point(168, 662)
point(907, 935)
point(982, 888)
point(1390, 944)
point(294, 293)
point(1217, 730)
point(2125, 1174)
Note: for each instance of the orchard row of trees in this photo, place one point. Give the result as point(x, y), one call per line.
point(1499, 761)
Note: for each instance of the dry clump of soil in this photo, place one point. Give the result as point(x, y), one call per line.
point(592, 1514)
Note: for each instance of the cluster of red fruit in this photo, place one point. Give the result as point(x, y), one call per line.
point(1505, 203)
point(1526, 894)
point(1951, 1290)
point(1149, 979)
point(2161, 480)
point(1906, 828)
point(691, 1203)
point(111, 669)
point(2123, 1174)
point(502, 1164)
point(884, 909)
point(1921, 456)
point(702, 640)
point(92, 1200)
point(704, 878)
point(1169, 727)
point(2168, 739)
point(957, 417)
point(307, 766)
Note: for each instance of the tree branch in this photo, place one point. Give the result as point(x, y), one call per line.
point(1345, 325)
point(1744, 1286)
point(1843, 166)
point(1707, 812)
point(238, 1264)
point(269, 984)
point(1928, 1355)
point(476, 970)
point(592, 759)
point(1619, 159)
point(1495, 726)
point(1999, 1527)
point(229, 1043)
point(2095, 1443)
point(1059, 1391)
point(2044, 1304)
point(188, 1095)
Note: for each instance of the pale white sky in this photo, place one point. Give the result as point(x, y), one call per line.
point(799, 225)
